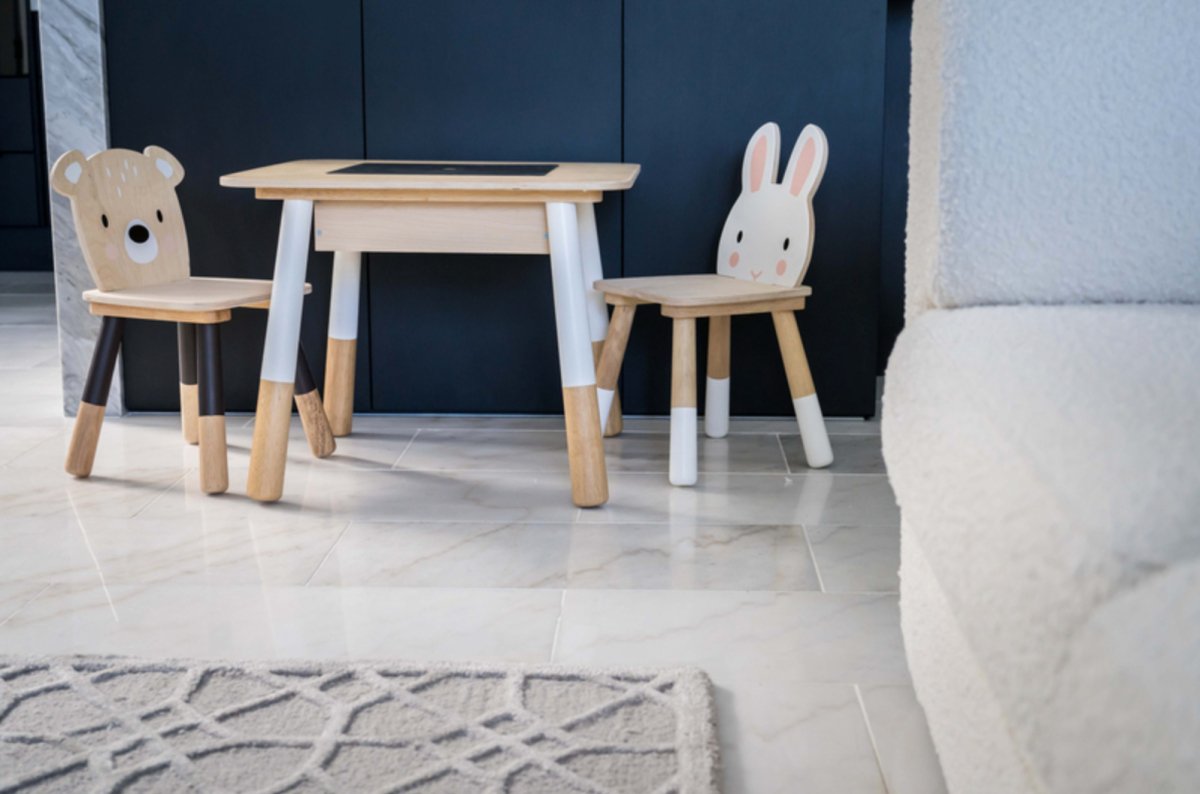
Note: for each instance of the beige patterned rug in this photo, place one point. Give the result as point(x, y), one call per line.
point(106, 724)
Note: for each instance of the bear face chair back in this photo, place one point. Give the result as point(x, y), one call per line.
point(131, 231)
point(764, 252)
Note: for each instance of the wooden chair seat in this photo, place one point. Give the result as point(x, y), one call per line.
point(196, 299)
point(703, 295)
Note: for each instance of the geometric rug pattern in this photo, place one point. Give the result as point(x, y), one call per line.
point(108, 724)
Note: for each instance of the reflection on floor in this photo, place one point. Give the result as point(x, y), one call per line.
point(454, 538)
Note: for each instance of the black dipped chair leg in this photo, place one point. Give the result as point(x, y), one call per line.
point(189, 407)
point(214, 461)
point(312, 411)
point(90, 416)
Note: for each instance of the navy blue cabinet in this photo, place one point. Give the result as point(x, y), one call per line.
point(228, 85)
point(458, 79)
point(676, 86)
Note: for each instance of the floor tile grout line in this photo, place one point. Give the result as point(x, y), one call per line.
point(787, 466)
point(26, 603)
point(328, 553)
point(862, 707)
point(630, 472)
point(162, 491)
point(812, 555)
point(404, 451)
point(562, 604)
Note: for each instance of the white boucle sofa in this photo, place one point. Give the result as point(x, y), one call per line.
point(1041, 416)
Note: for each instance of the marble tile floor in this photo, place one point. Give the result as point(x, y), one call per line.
point(454, 538)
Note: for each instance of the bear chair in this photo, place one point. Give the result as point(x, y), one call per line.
point(131, 230)
point(763, 255)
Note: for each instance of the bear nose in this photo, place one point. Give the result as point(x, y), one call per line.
point(139, 233)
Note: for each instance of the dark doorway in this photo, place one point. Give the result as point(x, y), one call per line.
point(24, 202)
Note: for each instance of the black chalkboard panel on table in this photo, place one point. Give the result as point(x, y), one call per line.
point(450, 169)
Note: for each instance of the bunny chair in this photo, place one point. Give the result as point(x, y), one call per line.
point(764, 252)
point(131, 230)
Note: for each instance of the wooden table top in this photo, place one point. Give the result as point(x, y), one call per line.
point(299, 176)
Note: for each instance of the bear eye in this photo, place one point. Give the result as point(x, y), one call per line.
point(104, 220)
point(159, 214)
point(739, 239)
point(786, 242)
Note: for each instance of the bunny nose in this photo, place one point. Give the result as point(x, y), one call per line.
point(139, 233)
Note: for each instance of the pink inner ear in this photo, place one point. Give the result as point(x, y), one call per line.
point(804, 165)
point(758, 163)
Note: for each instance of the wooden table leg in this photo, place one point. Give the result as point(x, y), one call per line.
point(813, 435)
point(593, 271)
point(343, 341)
point(585, 443)
point(268, 452)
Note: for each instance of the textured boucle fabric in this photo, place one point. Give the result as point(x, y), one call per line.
point(105, 724)
point(1045, 458)
point(966, 721)
point(1054, 153)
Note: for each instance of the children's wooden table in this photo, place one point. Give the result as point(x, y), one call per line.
point(423, 207)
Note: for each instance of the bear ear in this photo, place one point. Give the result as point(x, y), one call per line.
point(67, 173)
point(166, 164)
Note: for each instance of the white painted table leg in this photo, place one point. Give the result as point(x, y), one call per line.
point(585, 444)
point(597, 311)
point(343, 341)
point(268, 453)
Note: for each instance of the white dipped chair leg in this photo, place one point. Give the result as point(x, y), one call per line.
point(813, 434)
point(716, 385)
point(716, 407)
point(683, 466)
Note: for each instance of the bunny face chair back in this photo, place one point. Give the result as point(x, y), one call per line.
point(768, 235)
point(763, 255)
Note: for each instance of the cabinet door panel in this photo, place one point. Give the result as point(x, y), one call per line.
point(225, 86)
point(700, 77)
point(460, 80)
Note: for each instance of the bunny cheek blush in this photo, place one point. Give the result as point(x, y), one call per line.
point(768, 234)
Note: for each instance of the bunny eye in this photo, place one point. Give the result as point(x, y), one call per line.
point(159, 214)
point(786, 242)
point(739, 237)
point(104, 220)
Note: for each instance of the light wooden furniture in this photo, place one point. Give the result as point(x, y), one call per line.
point(131, 230)
point(764, 252)
point(404, 206)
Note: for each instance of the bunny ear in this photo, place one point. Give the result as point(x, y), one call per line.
point(761, 162)
point(806, 166)
point(67, 172)
point(166, 164)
